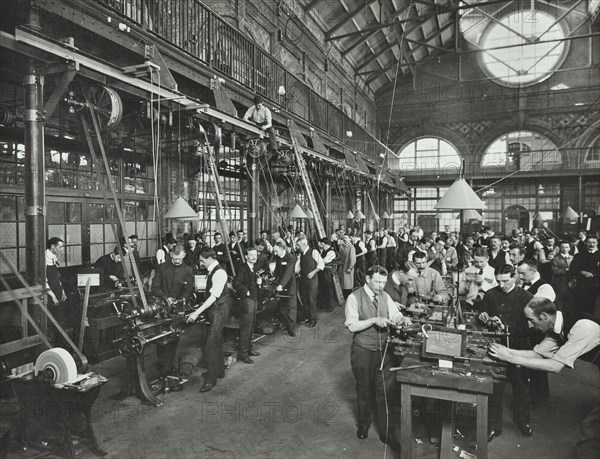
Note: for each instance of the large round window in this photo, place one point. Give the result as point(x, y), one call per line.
point(523, 48)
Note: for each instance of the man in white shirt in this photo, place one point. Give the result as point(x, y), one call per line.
point(531, 280)
point(369, 311)
point(569, 335)
point(218, 304)
point(261, 116)
point(480, 261)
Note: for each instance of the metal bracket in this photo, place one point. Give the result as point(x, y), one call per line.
point(58, 67)
point(34, 211)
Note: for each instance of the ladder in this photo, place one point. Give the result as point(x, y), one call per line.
point(314, 208)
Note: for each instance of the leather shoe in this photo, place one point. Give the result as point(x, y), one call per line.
point(312, 324)
point(253, 353)
point(206, 387)
point(493, 433)
point(362, 432)
point(525, 429)
point(247, 360)
point(292, 333)
point(304, 321)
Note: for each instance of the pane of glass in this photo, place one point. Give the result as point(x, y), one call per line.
point(73, 234)
point(53, 177)
point(21, 208)
point(96, 251)
point(73, 255)
point(8, 174)
point(11, 255)
point(56, 231)
point(8, 235)
point(73, 212)
point(142, 210)
point(56, 212)
point(129, 185)
point(129, 210)
point(96, 213)
point(8, 208)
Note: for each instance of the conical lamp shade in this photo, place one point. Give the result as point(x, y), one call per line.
point(570, 214)
point(376, 216)
point(180, 210)
point(471, 214)
point(360, 215)
point(538, 218)
point(460, 196)
point(350, 215)
point(386, 215)
point(297, 212)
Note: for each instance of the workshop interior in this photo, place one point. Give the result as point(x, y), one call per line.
point(300, 228)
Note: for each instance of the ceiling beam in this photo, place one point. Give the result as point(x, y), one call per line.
point(358, 42)
point(310, 5)
point(377, 27)
point(348, 17)
point(423, 44)
point(376, 55)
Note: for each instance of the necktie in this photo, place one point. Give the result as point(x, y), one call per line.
point(375, 300)
point(527, 284)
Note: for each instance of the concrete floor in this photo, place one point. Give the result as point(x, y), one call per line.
point(298, 400)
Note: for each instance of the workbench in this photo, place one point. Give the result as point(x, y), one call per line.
point(470, 380)
point(443, 384)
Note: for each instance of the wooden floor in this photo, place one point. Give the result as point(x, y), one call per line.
point(298, 401)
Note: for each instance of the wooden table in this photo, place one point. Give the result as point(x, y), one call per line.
point(450, 385)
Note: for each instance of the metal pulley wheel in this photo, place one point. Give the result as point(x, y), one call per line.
point(108, 105)
point(57, 364)
point(256, 148)
point(212, 131)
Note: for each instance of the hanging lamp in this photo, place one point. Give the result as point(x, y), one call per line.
point(297, 212)
point(360, 215)
point(181, 210)
point(349, 215)
point(570, 214)
point(460, 196)
point(386, 216)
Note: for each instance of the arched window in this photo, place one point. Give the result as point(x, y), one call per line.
point(521, 47)
point(592, 156)
point(522, 150)
point(429, 153)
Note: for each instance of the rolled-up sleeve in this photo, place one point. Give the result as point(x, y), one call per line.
point(351, 311)
point(219, 281)
point(319, 260)
point(583, 337)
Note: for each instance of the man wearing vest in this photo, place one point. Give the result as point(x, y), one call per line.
point(218, 304)
point(326, 287)
point(173, 279)
point(533, 248)
point(285, 264)
point(308, 265)
point(371, 256)
point(245, 283)
point(369, 311)
point(569, 335)
point(162, 254)
point(532, 282)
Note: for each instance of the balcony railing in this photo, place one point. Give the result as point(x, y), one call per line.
point(195, 29)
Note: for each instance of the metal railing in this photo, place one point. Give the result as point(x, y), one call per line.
point(192, 27)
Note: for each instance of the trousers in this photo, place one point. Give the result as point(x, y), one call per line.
point(370, 380)
point(309, 289)
point(215, 355)
point(247, 323)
